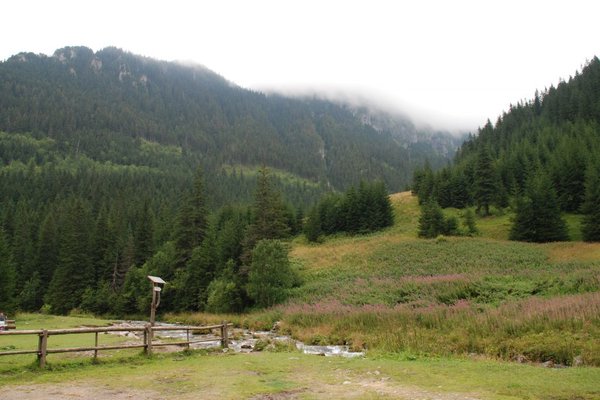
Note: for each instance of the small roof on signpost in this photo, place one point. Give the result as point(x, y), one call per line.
point(156, 280)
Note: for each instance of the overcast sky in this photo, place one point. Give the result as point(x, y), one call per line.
point(449, 63)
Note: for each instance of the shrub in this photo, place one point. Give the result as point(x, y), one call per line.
point(223, 296)
point(270, 273)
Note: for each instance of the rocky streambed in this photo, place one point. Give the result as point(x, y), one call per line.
point(240, 340)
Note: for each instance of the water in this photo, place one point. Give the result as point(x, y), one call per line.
point(328, 351)
point(241, 340)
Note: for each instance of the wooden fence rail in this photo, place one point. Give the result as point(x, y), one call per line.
point(148, 342)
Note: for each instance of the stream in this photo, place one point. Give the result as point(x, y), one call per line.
point(240, 340)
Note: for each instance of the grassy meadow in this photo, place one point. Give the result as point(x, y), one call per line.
point(284, 374)
point(391, 292)
point(16, 363)
point(447, 318)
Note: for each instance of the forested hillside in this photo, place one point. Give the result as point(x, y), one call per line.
point(543, 154)
point(98, 153)
point(112, 106)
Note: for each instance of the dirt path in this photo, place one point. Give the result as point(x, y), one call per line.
point(359, 389)
point(74, 391)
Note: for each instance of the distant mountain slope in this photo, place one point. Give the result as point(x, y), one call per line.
point(112, 106)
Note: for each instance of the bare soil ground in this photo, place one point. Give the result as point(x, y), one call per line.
point(359, 389)
point(74, 391)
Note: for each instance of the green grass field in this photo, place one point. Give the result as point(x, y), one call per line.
point(30, 342)
point(448, 318)
point(391, 292)
point(286, 375)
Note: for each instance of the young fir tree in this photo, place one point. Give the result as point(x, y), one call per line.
point(590, 226)
point(431, 221)
point(538, 216)
point(469, 222)
point(312, 226)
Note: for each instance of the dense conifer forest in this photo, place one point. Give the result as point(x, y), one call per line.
point(113, 166)
point(541, 158)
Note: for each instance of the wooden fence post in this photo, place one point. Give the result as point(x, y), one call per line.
point(224, 335)
point(42, 348)
point(145, 341)
point(148, 338)
point(96, 348)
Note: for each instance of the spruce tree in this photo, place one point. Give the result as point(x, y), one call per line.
point(144, 235)
point(47, 253)
point(191, 224)
point(201, 270)
point(231, 227)
point(590, 226)
point(74, 272)
point(351, 210)
point(8, 276)
point(431, 221)
point(424, 183)
point(312, 227)
point(485, 181)
point(24, 242)
point(538, 217)
point(104, 252)
point(459, 193)
point(469, 222)
point(269, 217)
point(383, 206)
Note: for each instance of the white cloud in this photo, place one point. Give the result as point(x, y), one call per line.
point(449, 63)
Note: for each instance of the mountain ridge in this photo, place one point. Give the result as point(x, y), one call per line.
point(76, 93)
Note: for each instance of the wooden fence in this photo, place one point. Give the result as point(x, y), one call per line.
point(10, 324)
point(148, 341)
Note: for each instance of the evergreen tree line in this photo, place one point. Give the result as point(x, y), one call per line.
point(541, 159)
point(75, 255)
point(98, 260)
point(363, 210)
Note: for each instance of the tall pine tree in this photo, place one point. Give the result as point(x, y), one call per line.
point(269, 215)
point(485, 181)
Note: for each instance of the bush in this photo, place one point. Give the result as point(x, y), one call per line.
point(469, 223)
point(270, 273)
point(432, 222)
point(223, 297)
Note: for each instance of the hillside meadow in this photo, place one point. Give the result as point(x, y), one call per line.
point(447, 318)
point(390, 292)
